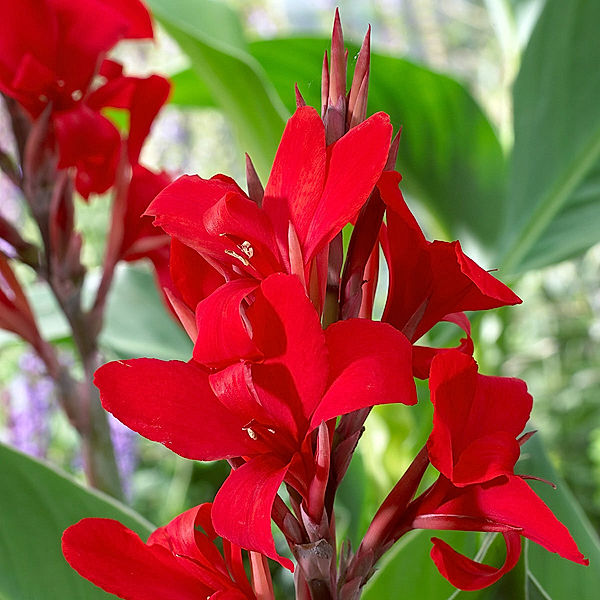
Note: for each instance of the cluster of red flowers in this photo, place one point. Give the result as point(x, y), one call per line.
point(58, 84)
point(287, 359)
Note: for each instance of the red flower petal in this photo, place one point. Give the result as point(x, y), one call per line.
point(510, 501)
point(179, 209)
point(298, 175)
point(287, 329)
point(91, 143)
point(444, 280)
point(355, 163)
point(136, 15)
point(141, 96)
point(242, 508)
point(172, 403)
point(139, 235)
point(193, 277)
point(80, 45)
point(191, 535)
point(26, 27)
point(245, 234)
point(115, 559)
point(223, 335)
point(485, 458)
point(476, 420)
point(468, 575)
point(370, 363)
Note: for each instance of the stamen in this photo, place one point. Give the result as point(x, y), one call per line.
point(251, 433)
point(77, 95)
point(247, 249)
point(240, 258)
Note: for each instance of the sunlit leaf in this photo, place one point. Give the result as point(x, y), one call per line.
point(37, 503)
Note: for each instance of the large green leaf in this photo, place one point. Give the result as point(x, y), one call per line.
point(449, 156)
point(37, 504)
point(553, 195)
point(212, 37)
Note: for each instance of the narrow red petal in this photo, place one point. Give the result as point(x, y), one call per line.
point(298, 175)
point(193, 277)
point(468, 575)
point(510, 501)
point(191, 535)
point(223, 334)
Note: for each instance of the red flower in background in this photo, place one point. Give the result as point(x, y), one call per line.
point(51, 49)
point(279, 377)
point(312, 192)
point(474, 445)
point(51, 60)
point(179, 562)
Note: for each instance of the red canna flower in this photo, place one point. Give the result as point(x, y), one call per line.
point(279, 376)
point(91, 143)
point(54, 60)
point(443, 280)
point(51, 49)
point(312, 192)
point(179, 562)
point(474, 445)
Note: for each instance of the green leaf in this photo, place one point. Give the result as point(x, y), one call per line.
point(137, 322)
point(212, 37)
point(553, 189)
point(190, 91)
point(37, 503)
point(449, 156)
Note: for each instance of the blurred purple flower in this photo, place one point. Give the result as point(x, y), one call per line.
point(126, 452)
point(30, 402)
